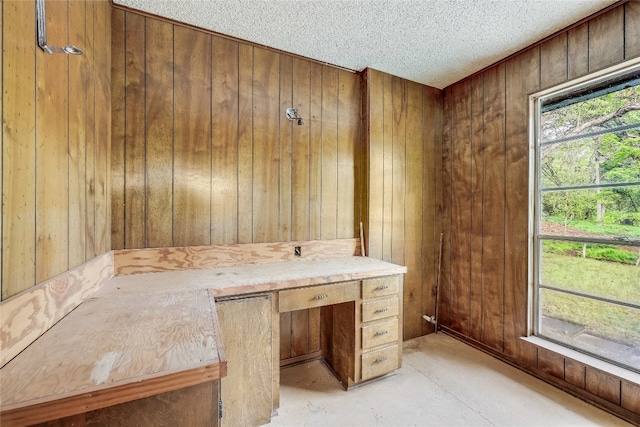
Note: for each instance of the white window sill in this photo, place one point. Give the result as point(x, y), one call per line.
point(587, 360)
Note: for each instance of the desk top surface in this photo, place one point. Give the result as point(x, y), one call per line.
point(153, 332)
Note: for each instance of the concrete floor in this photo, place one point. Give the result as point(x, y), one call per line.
point(442, 382)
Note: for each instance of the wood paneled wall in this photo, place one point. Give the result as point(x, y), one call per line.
point(202, 152)
point(485, 185)
point(55, 141)
point(403, 215)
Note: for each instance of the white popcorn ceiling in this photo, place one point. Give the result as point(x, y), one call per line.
point(434, 42)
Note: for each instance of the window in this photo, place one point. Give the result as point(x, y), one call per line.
point(586, 216)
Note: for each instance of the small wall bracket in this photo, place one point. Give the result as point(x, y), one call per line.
point(42, 34)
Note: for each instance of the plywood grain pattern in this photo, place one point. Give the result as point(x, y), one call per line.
point(28, 315)
point(300, 332)
point(224, 143)
point(117, 129)
point(553, 61)
point(285, 335)
point(574, 373)
point(182, 258)
point(461, 206)
point(245, 144)
point(300, 160)
point(134, 169)
point(606, 39)
point(329, 187)
point(52, 148)
point(19, 148)
point(522, 75)
point(266, 154)
point(192, 138)
point(285, 139)
point(153, 354)
point(551, 363)
point(247, 389)
point(493, 224)
point(476, 208)
point(632, 29)
point(158, 123)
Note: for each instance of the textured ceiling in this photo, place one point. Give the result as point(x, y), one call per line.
point(435, 42)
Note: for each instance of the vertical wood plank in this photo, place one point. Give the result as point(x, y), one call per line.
point(91, 249)
point(329, 187)
point(413, 236)
point(348, 137)
point(300, 152)
point(19, 148)
point(135, 204)
point(574, 373)
point(522, 79)
point(117, 129)
point(265, 147)
point(299, 332)
point(159, 131)
point(444, 309)
point(77, 126)
point(245, 143)
point(285, 144)
point(461, 206)
point(52, 147)
point(314, 329)
point(493, 221)
point(477, 192)
point(285, 335)
point(432, 120)
point(375, 87)
point(224, 141)
point(102, 34)
point(554, 61)
point(315, 152)
point(603, 385)
point(632, 29)
point(387, 171)
point(606, 39)
point(192, 133)
point(630, 396)
point(398, 155)
point(578, 51)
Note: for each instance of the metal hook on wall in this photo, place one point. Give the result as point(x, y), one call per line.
point(42, 34)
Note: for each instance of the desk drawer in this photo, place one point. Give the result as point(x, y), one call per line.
point(379, 333)
point(379, 362)
point(383, 286)
point(379, 309)
point(318, 296)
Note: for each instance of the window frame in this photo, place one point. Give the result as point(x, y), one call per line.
point(535, 197)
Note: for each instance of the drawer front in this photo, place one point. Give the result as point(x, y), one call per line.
point(383, 286)
point(379, 333)
point(317, 296)
point(379, 309)
point(379, 362)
